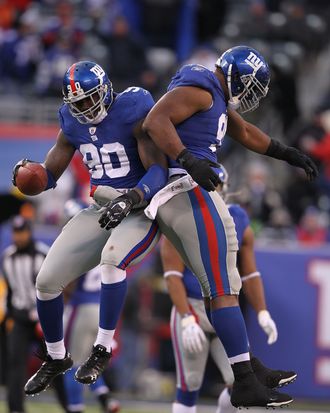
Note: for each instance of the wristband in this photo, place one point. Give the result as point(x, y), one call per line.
point(51, 183)
point(249, 276)
point(152, 181)
point(277, 150)
point(172, 272)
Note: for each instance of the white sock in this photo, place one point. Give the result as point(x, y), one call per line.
point(56, 350)
point(104, 337)
point(181, 408)
point(224, 405)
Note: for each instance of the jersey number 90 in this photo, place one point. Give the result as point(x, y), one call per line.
point(99, 162)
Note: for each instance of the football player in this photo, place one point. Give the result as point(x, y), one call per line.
point(193, 337)
point(81, 317)
point(124, 164)
point(187, 123)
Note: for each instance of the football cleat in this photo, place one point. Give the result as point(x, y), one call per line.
point(249, 392)
point(48, 371)
point(272, 378)
point(94, 366)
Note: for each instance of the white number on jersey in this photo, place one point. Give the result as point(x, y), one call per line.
point(222, 128)
point(99, 162)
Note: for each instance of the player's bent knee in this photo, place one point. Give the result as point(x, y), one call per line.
point(48, 284)
point(110, 274)
point(193, 381)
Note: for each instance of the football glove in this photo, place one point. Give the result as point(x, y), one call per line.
point(301, 160)
point(20, 163)
point(293, 156)
point(268, 325)
point(193, 336)
point(200, 170)
point(116, 210)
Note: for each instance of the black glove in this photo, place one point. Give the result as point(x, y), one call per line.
point(200, 170)
point(294, 157)
point(20, 163)
point(115, 211)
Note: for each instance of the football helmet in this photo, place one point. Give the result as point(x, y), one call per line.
point(87, 91)
point(223, 175)
point(247, 76)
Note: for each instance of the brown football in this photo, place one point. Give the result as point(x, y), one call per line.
point(31, 179)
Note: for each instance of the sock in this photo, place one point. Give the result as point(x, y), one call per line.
point(50, 314)
point(104, 337)
point(56, 350)
point(224, 404)
point(186, 397)
point(111, 303)
point(181, 408)
point(229, 325)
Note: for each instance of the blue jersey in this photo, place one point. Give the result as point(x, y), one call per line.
point(109, 149)
point(203, 131)
point(88, 288)
point(241, 221)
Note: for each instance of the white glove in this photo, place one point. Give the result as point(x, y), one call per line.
point(192, 335)
point(268, 325)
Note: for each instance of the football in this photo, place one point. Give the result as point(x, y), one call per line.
point(31, 178)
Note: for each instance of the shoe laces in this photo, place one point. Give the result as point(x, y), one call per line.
point(95, 358)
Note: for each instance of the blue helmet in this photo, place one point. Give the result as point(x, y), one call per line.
point(223, 176)
point(222, 173)
point(87, 90)
point(247, 76)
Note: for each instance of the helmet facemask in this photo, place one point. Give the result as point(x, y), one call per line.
point(96, 110)
point(254, 91)
point(249, 98)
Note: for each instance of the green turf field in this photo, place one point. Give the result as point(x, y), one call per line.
point(140, 407)
point(53, 408)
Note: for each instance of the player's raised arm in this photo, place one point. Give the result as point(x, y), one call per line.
point(256, 140)
point(173, 108)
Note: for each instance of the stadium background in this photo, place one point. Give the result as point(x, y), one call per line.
point(142, 42)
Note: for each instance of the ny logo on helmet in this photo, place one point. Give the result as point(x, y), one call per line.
point(254, 61)
point(98, 72)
